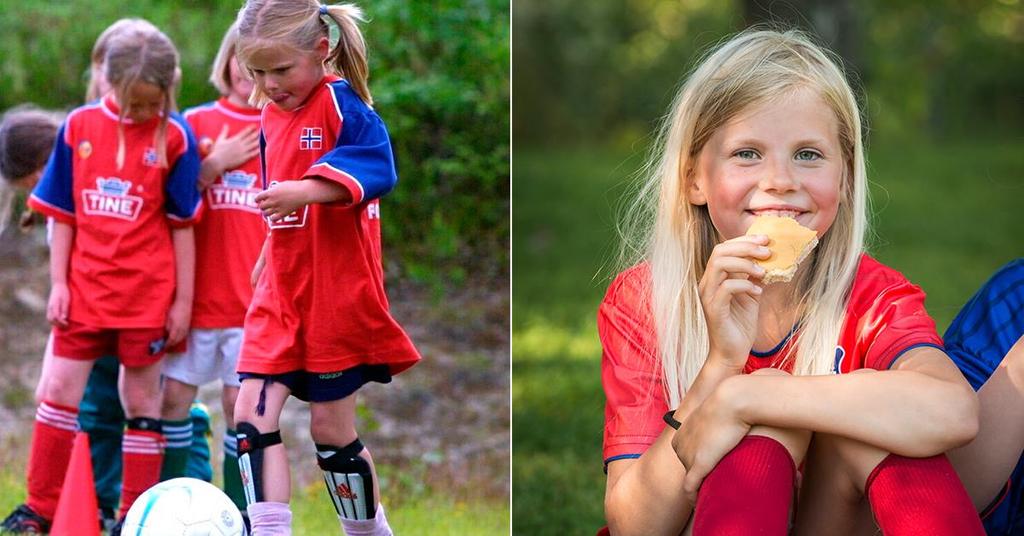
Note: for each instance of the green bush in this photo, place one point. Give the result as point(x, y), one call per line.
point(439, 75)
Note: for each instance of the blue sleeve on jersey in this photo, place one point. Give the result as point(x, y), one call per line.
point(56, 186)
point(363, 152)
point(182, 183)
point(988, 325)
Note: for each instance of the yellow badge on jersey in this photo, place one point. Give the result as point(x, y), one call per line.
point(205, 146)
point(84, 149)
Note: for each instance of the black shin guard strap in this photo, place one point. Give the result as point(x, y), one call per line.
point(250, 458)
point(146, 424)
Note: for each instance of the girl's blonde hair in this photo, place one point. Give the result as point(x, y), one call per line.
point(220, 75)
point(145, 56)
point(99, 51)
point(299, 24)
point(676, 237)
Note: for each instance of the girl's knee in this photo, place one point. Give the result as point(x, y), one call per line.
point(332, 431)
point(139, 402)
point(177, 399)
point(855, 458)
point(795, 441)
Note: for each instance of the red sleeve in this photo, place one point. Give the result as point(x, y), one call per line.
point(894, 321)
point(630, 371)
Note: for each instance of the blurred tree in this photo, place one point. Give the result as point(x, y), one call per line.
point(439, 75)
point(605, 71)
point(835, 22)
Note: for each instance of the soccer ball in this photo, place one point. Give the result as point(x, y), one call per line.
point(183, 507)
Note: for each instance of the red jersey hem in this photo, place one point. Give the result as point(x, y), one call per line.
point(323, 366)
point(132, 324)
point(218, 323)
point(632, 447)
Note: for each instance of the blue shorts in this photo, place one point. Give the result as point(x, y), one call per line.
point(325, 386)
point(977, 340)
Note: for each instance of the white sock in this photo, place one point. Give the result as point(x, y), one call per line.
point(378, 526)
point(270, 519)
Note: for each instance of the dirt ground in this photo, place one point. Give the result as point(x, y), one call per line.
point(442, 425)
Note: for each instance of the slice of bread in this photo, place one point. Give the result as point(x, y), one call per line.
point(789, 242)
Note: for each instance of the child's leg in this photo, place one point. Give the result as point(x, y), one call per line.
point(54, 432)
point(348, 468)
point(229, 347)
point(232, 477)
point(101, 416)
point(985, 464)
point(906, 495)
point(142, 447)
point(198, 463)
point(43, 372)
point(751, 490)
point(177, 426)
point(263, 461)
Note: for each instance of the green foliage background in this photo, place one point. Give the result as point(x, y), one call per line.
point(941, 85)
point(439, 72)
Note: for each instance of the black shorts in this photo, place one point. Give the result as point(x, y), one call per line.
point(324, 386)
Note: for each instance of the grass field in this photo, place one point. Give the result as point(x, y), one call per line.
point(947, 216)
point(425, 513)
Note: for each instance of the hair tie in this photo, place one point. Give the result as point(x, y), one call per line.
point(323, 10)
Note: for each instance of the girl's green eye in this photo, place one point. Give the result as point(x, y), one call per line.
point(746, 154)
point(807, 154)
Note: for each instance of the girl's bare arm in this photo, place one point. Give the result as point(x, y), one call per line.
point(60, 255)
point(985, 464)
point(645, 495)
point(922, 406)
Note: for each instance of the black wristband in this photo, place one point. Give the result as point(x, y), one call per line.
point(670, 420)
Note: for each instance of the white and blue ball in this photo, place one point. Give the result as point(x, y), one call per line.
point(183, 507)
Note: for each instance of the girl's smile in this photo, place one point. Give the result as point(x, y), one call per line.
point(781, 157)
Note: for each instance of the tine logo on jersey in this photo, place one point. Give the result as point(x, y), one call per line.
point(234, 191)
point(373, 210)
point(149, 157)
point(110, 198)
point(84, 149)
point(295, 219)
point(311, 139)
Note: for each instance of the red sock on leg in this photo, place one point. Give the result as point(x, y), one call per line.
point(749, 492)
point(919, 496)
point(53, 435)
point(142, 455)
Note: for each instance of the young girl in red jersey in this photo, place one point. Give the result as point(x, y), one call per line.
point(121, 186)
point(228, 241)
point(839, 372)
point(318, 327)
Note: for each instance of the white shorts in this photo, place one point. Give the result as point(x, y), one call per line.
point(212, 355)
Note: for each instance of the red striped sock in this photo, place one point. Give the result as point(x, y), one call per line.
point(749, 492)
point(142, 455)
point(920, 496)
point(53, 435)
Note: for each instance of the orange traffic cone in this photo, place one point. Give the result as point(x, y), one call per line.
point(77, 511)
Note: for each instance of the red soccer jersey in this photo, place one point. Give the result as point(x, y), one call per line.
point(320, 305)
point(121, 272)
point(232, 231)
point(884, 318)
